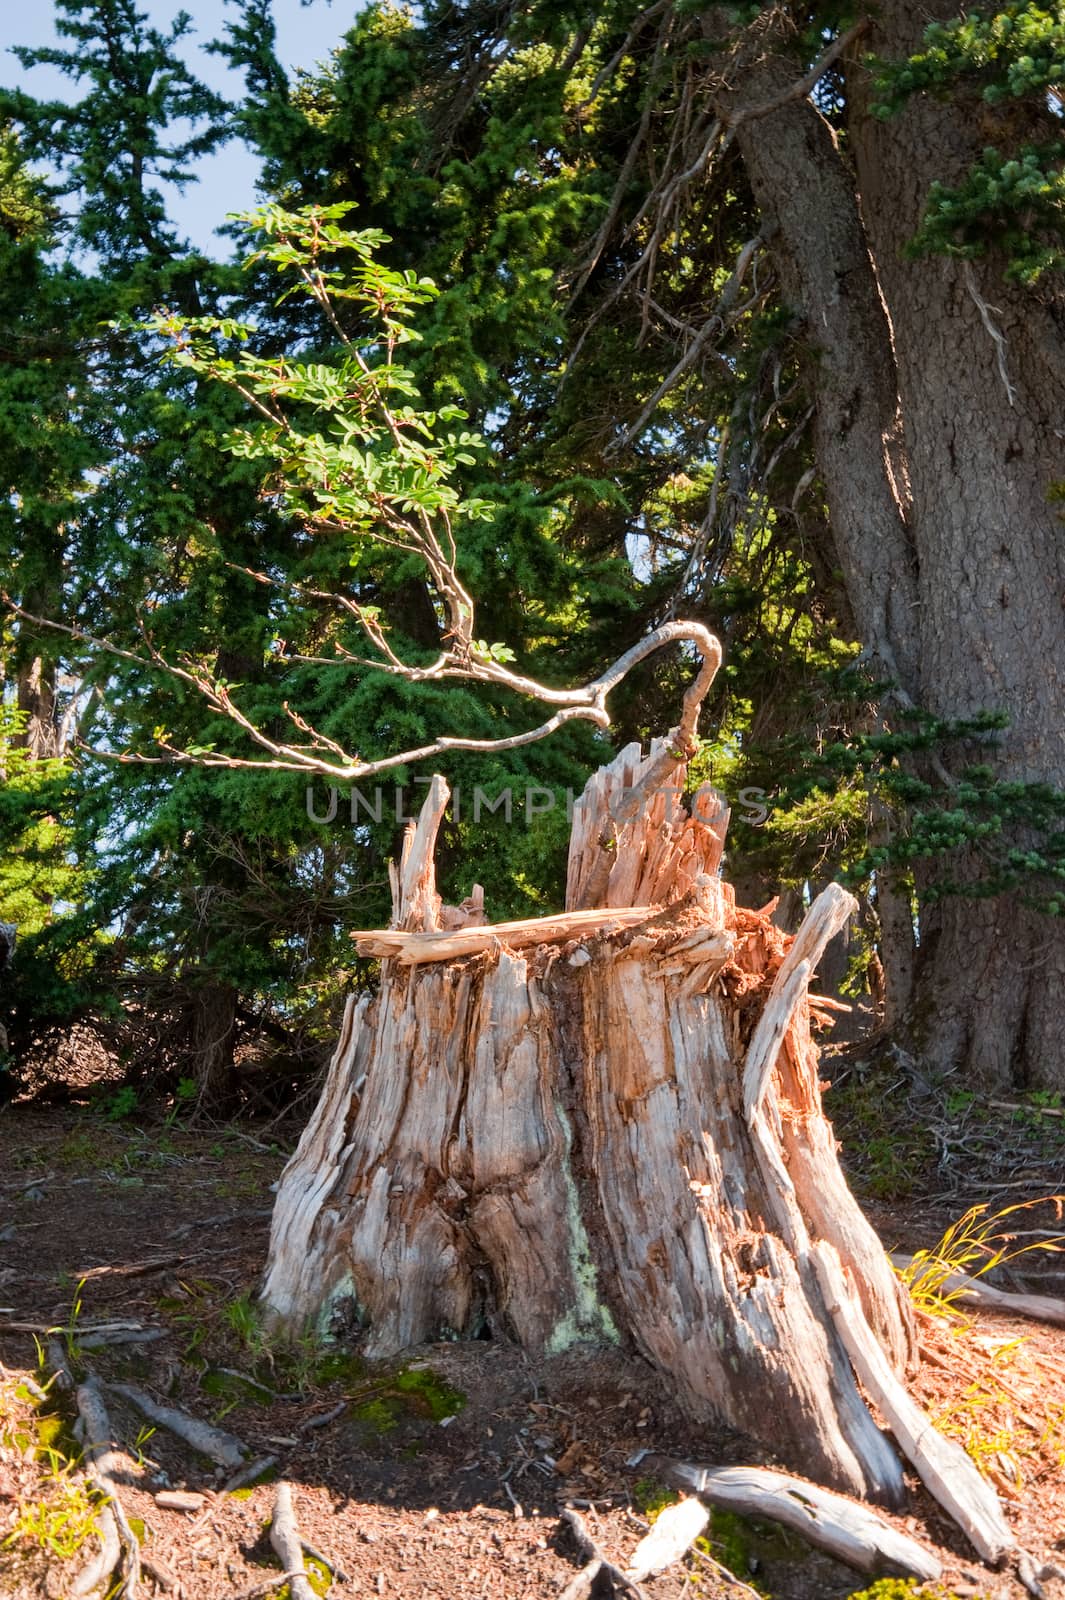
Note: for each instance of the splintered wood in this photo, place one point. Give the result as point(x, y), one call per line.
point(409, 949)
point(634, 841)
point(606, 1124)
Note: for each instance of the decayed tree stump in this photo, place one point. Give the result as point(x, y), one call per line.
point(602, 1125)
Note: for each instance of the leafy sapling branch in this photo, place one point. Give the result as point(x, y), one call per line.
point(350, 453)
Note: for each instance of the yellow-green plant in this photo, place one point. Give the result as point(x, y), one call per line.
point(1052, 1437)
point(975, 1420)
point(61, 1520)
point(973, 1246)
point(70, 1332)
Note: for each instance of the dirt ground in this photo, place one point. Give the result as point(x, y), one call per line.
point(443, 1474)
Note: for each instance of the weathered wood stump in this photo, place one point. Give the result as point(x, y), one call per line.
point(603, 1125)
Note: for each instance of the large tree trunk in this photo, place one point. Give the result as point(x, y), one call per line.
point(983, 450)
point(938, 448)
point(603, 1125)
point(35, 660)
point(37, 702)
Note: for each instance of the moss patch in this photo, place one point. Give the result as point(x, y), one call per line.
point(438, 1398)
point(409, 1395)
point(905, 1589)
point(746, 1544)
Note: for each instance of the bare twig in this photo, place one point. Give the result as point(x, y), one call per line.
point(605, 72)
point(714, 324)
point(807, 83)
point(997, 336)
point(596, 1558)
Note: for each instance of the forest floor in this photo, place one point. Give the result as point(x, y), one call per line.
point(444, 1474)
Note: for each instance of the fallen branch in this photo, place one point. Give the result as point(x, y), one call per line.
point(220, 1219)
point(847, 1530)
point(133, 1269)
point(974, 1291)
point(945, 1469)
point(221, 1447)
point(323, 1418)
point(412, 948)
point(188, 1500)
point(75, 1330)
point(99, 1340)
point(1030, 1110)
point(286, 1541)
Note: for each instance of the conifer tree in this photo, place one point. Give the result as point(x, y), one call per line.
point(788, 286)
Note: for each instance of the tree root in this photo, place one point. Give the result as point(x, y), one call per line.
point(57, 1360)
point(112, 1525)
point(224, 1448)
point(258, 1590)
point(597, 1561)
point(239, 1480)
point(286, 1541)
point(1031, 1572)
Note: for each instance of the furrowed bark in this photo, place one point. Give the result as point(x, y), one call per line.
point(937, 386)
point(981, 387)
point(811, 218)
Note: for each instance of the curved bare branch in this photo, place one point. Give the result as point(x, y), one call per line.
point(586, 703)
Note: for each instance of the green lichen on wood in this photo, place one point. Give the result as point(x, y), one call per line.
point(588, 1318)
